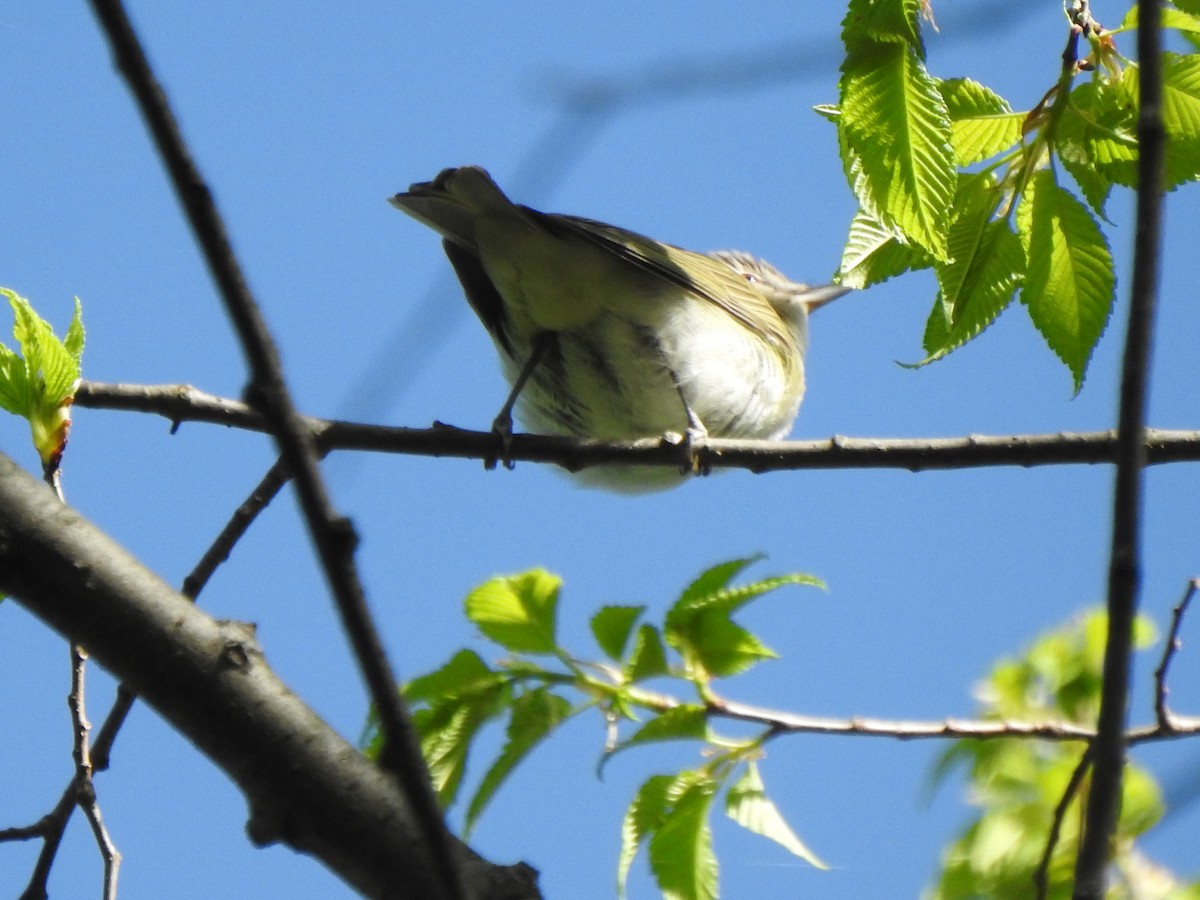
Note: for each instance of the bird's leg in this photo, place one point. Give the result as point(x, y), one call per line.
point(695, 432)
point(502, 425)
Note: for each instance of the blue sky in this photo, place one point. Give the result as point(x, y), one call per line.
point(304, 120)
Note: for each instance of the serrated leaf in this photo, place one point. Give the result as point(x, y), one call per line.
point(612, 626)
point(1093, 184)
point(1171, 18)
point(74, 340)
point(465, 673)
point(715, 578)
point(895, 139)
point(1179, 118)
point(535, 714)
point(40, 383)
point(648, 659)
point(982, 124)
point(1069, 279)
point(681, 854)
point(874, 253)
point(687, 722)
point(985, 268)
point(518, 611)
point(1181, 95)
point(1097, 138)
point(446, 731)
point(728, 600)
point(721, 647)
point(868, 21)
point(644, 815)
point(15, 394)
point(748, 805)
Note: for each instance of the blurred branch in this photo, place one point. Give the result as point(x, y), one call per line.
point(1162, 712)
point(210, 682)
point(182, 403)
point(1041, 875)
point(1124, 574)
point(332, 534)
point(782, 723)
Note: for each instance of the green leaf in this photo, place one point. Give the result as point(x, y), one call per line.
point(874, 253)
point(868, 21)
point(1069, 280)
point(1186, 22)
point(1181, 94)
point(535, 714)
point(894, 133)
point(688, 722)
point(748, 805)
point(648, 659)
point(611, 627)
point(681, 854)
point(40, 386)
point(698, 625)
point(715, 579)
point(75, 336)
point(643, 816)
point(721, 648)
point(466, 673)
point(1097, 135)
point(727, 600)
point(1181, 112)
point(518, 611)
point(446, 731)
point(985, 268)
point(982, 124)
point(453, 703)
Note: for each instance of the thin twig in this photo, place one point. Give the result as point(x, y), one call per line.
point(264, 492)
point(1104, 799)
point(80, 791)
point(1162, 713)
point(1041, 875)
point(85, 790)
point(331, 533)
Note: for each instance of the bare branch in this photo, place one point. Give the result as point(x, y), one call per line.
point(85, 790)
point(1162, 713)
point(1124, 575)
point(182, 403)
point(332, 534)
point(209, 681)
point(787, 723)
point(1041, 875)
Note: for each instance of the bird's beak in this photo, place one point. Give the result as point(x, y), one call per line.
point(815, 298)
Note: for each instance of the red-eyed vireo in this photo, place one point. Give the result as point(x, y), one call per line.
point(607, 334)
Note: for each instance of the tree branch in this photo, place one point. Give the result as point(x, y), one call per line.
point(304, 784)
point(1162, 713)
point(332, 535)
point(184, 403)
point(1124, 574)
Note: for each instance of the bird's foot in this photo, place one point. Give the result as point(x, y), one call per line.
point(502, 428)
point(690, 448)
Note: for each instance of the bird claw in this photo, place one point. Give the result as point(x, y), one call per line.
point(695, 434)
point(502, 428)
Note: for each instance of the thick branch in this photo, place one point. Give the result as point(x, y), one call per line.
point(304, 784)
point(183, 403)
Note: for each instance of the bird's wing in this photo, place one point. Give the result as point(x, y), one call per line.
point(714, 281)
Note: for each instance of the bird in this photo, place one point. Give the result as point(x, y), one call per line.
point(607, 334)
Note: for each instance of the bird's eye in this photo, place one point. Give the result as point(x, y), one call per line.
point(750, 277)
